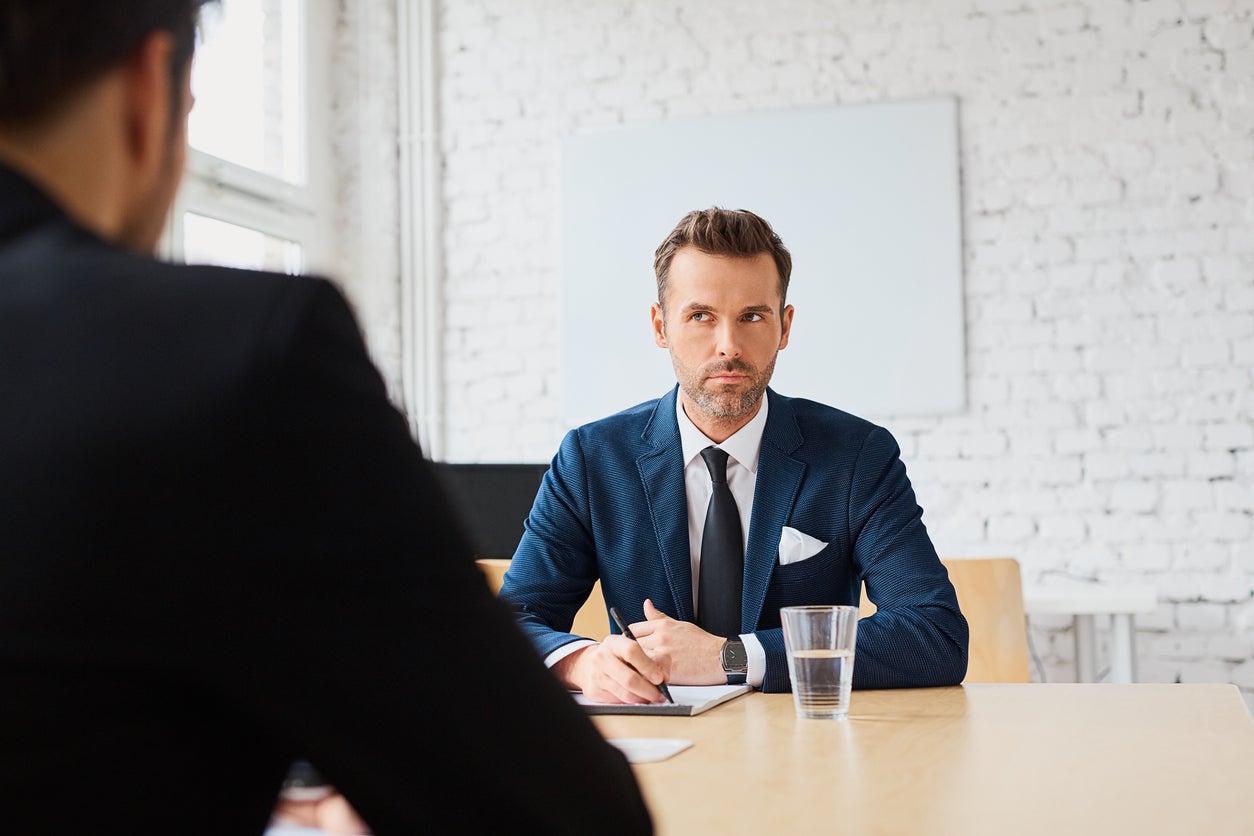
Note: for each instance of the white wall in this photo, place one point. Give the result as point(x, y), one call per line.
point(364, 147)
point(1108, 180)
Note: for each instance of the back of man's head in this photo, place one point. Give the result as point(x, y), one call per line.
point(50, 49)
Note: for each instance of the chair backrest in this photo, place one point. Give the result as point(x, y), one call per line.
point(592, 621)
point(990, 595)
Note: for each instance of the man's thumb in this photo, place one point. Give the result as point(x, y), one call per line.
point(651, 612)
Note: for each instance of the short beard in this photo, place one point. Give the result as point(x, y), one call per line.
point(724, 405)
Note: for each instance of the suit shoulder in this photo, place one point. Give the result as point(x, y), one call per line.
point(229, 285)
point(59, 263)
point(90, 267)
point(629, 420)
point(621, 434)
point(220, 320)
point(826, 428)
point(241, 302)
point(821, 416)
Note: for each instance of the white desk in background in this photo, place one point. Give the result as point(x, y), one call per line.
point(1083, 601)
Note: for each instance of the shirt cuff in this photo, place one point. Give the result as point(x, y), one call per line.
point(757, 659)
point(567, 649)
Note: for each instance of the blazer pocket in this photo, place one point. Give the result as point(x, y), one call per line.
point(793, 579)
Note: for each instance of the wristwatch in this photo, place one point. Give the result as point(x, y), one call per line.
point(735, 661)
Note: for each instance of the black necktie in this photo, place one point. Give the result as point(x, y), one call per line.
point(722, 554)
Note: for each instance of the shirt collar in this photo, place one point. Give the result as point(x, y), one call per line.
point(743, 446)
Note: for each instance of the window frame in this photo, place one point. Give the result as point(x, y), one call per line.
point(226, 191)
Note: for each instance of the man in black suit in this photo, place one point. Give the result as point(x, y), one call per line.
point(220, 549)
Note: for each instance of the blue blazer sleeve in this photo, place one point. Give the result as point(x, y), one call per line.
point(918, 636)
point(555, 566)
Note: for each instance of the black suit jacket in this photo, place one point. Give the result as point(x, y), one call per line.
point(220, 550)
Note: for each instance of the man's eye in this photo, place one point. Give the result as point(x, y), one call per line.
point(753, 317)
point(700, 316)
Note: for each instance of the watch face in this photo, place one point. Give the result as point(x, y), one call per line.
point(734, 656)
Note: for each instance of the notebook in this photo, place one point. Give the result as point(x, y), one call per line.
point(689, 700)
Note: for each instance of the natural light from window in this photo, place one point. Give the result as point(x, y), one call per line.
point(248, 82)
point(210, 241)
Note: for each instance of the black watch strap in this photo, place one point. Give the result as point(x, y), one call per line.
point(735, 662)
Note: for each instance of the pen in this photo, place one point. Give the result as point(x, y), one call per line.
point(622, 625)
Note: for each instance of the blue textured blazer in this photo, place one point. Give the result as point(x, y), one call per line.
point(612, 506)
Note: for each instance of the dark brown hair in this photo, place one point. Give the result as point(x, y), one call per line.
point(49, 49)
point(730, 232)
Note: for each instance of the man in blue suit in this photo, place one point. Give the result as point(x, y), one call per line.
point(701, 548)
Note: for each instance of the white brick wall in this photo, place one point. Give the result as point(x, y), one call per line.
point(1108, 183)
point(364, 147)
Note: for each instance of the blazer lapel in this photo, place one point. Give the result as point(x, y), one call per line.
point(662, 475)
point(774, 494)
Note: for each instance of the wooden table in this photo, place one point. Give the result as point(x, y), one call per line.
point(1059, 759)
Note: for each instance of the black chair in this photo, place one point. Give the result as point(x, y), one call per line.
point(492, 501)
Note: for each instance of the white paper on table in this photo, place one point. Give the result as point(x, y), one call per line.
point(648, 749)
point(795, 546)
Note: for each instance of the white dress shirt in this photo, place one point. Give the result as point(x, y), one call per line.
point(742, 473)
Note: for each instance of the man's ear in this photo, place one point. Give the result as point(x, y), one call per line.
point(149, 99)
point(786, 329)
point(659, 325)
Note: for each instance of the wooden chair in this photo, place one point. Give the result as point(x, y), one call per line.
point(591, 621)
point(990, 595)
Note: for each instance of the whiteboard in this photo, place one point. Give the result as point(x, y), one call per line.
point(866, 198)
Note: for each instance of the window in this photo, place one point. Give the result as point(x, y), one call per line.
point(255, 193)
point(206, 239)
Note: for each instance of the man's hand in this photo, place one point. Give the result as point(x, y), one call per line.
point(694, 654)
point(616, 670)
point(331, 814)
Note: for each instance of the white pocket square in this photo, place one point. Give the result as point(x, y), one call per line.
point(795, 546)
